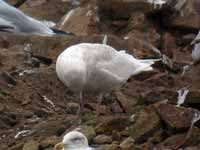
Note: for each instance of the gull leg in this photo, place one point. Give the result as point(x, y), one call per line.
point(100, 98)
point(82, 102)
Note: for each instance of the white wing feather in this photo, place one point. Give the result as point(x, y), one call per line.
point(125, 65)
point(4, 22)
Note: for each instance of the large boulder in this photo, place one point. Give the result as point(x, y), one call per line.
point(186, 18)
point(123, 9)
point(51, 10)
point(146, 123)
point(176, 118)
point(81, 21)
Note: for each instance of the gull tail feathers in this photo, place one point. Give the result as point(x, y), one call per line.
point(152, 61)
point(132, 65)
point(143, 67)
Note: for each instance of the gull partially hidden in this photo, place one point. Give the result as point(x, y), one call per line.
point(196, 53)
point(196, 49)
point(195, 58)
point(196, 40)
point(196, 6)
point(73, 140)
point(12, 20)
point(96, 69)
point(160, 3)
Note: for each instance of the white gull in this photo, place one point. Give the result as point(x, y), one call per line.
point(73, 140)
point(96, 69)
point(13, 20)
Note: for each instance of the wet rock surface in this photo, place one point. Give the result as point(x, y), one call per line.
point(36, 109)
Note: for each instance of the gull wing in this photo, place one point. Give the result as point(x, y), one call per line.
point(6, 26)
point(124, 65)
point(23, 23)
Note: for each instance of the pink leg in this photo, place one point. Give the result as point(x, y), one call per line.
point(82, 102)
point(100, 98)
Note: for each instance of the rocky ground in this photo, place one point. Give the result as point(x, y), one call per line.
point(36, 109)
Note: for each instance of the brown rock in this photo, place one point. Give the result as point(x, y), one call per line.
point(159, 94)
point(52, 47)
point(103, 109)
point(186, 17)
point(118, 123)
point(49, 142)
point(126, 103)
point(12, 2)
point(16, 147)
point(123, 9)
point(175, 117)
point(140, 40)
point(103, 139)
point(146, 123)
point(193, 98)
point(72, 108)
point(7, 79)
point(42, 11)
point(180, 140)
point(89, 132)
point(35, 3)
point(111, 147)
point(81, 21)
point(169, 45)
point(193, 139)
point(138, 22)
point(191, 148)
point(173, 142)
point(31, 145)
point(127, 143)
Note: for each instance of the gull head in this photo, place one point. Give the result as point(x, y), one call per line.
point(73, 140)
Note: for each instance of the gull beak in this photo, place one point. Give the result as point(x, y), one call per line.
point(58, 146)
